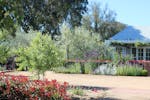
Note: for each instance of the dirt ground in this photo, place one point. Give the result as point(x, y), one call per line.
point(115, 87)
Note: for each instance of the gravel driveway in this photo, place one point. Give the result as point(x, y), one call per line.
point(118, 87)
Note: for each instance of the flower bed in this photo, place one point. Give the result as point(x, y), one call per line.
point(21, 88)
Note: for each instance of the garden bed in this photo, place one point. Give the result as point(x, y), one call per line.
point(115, 87)
point(22, 87)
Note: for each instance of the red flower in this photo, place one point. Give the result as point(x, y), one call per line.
point(42, 89)
point(48, 94)
point(65, 84)
point(32, 89)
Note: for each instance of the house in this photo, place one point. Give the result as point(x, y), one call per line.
point(134, 41)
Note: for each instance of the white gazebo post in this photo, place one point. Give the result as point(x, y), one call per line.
point(136, 53)
point(144, 53)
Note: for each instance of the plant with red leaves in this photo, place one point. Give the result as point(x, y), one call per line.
point(21, 88)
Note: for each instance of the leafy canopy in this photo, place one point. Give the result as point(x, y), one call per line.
point(43, 15)
point(41, 55)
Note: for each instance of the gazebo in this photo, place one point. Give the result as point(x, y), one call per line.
point(134, 41)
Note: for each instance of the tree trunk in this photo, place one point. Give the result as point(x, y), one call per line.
point(67, 50)
point(38, 75)
point(82, 68)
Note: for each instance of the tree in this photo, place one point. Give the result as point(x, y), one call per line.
point(4, 49)
point(82, 43)
point(20, 40)
point(66, 39)
point(102, 21)
point(11, 13)
point(85, 47)
point(13, 43)
point(41, 55)
point(87, 23)
point(79, 44)
point(43, 15)
point(4, 53)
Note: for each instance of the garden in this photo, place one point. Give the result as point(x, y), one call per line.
point(40, 37)
point(43, 54)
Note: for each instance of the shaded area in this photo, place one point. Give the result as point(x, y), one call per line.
point(107, 98)
point(99, 98)
point(95, 89)
point(90, 87)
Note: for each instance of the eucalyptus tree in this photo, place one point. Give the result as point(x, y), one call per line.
point(102, 20)
point(43, 15)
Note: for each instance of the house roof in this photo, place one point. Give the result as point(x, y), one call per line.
point(132, 34)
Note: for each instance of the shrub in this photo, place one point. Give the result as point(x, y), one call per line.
point(105, 69)
point(2, 68)
point(144, 73)
point(41, 55)
point(89, 67)
point(4, 53)
point(21, 88)
point(73, 69)
point(130, 70)
point(77, 91)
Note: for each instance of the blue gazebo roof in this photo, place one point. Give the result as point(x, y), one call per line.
point(132, 34)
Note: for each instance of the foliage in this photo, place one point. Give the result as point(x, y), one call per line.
point(144, 73)
point(129, 70)
point(120, 59)
point(105, 69)
point(79, 43)
point(87, 46)
point(23, 59)
point(136, 44)
point(65, 40)
point(43, 15)
point(21, 88)
point(10, 12)
point(4, 53)
point(139, 44)
point(89, 68)
point(82, 45)
point(21, 39)
point(101, 20)
point(4, 49)
point(77, 91)
point(1, 68)
point(41, 55)
point(74, 69)
point(106, 52)
point(9, 44)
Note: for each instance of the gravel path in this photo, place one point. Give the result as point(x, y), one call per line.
point(118, 87)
